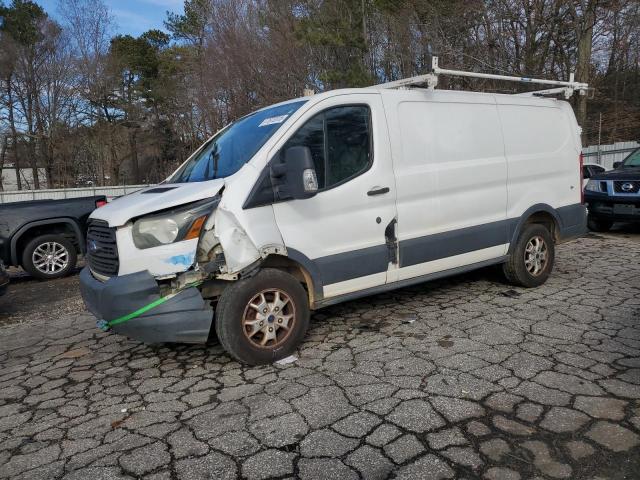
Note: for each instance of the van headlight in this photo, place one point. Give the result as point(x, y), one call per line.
point(175, 225)
point(593, 186)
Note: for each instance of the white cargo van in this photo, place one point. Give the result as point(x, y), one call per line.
point(328, 198)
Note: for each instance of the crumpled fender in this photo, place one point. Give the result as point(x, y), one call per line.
point(239, 250)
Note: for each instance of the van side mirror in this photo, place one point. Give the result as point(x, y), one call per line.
point(616, 164)
point(295, 178)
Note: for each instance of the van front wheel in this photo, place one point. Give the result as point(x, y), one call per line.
point(262, 318)
point(531, 261)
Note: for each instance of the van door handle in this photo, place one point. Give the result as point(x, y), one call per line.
point(378, 191)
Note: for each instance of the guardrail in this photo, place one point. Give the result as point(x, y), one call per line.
point(604, 155)
point(62, 193)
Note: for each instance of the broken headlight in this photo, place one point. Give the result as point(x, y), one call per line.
point(175, 225)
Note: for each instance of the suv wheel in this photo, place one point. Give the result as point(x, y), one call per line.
point(531, 261)
point(596, 225)
point(49, 256)
point(262, 318)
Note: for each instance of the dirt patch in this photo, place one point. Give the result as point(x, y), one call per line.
point(28, 299)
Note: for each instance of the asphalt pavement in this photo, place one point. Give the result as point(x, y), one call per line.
point(461, 378)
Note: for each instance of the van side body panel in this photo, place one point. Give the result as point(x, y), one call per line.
point(542, 145)
point(451, 173)
point(469, 170)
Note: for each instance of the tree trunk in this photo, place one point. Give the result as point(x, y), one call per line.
point(3, 154)
point(14, 134)
point(133, 132)
point(584, 34)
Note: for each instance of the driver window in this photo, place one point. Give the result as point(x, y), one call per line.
point(340, 143)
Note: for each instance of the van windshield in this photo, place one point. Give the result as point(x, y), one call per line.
point(235, 145)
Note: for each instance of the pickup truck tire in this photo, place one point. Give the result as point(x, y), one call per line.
point(531, 261)
point(262, 318)
point(596, 225)
point(49, 256)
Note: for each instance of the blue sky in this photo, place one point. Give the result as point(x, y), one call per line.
point(132, 16)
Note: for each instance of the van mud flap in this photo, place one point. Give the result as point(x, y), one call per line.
point(184, 317)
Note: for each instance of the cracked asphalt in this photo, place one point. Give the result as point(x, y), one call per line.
point(461, 378)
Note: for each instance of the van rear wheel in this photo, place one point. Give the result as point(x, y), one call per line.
point(531, 261)
point(262, 318)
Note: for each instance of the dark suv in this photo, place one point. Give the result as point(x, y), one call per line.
point(614, 196)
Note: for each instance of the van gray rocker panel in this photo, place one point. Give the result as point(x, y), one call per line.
point(408, 282)
point(570, 220)
point(455, 242)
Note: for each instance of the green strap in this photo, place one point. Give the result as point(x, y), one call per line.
point(146, 308)
point(138, 312)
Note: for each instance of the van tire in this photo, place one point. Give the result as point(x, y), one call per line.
point(516, 269)
point(61, 245)
point(596, 225)
point(233, 308)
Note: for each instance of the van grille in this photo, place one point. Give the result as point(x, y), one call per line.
point(102, 249)
point(618, 184)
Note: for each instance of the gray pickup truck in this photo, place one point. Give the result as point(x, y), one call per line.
point(45, 237)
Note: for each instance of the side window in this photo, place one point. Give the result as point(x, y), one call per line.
point(311, 135)
point(340, 143)
point(348, 143)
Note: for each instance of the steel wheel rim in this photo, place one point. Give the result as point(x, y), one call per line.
point(536, 256)
point(50, 258)
point(269, 318)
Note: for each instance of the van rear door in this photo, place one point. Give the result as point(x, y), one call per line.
point(341, 230)
point(451, 175)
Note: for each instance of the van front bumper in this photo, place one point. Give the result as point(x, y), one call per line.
point(185, 318)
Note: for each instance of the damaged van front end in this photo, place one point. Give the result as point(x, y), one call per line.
point(159, 259)
point(164, 302)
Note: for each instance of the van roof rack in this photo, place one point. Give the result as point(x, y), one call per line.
point(431, 81)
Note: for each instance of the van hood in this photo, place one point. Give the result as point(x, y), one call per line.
point(153, 199)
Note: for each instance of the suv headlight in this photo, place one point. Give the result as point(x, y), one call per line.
point(593, 186)
point(175, 225)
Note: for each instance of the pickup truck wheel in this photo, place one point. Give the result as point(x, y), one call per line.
point(596, 225)
point(49, 256)
point(531, 261)
point(262, 318)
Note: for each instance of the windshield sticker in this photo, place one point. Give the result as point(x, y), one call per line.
point(273, 120)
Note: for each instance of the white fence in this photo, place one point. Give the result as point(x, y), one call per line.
point(62, 193)
point(606, 155)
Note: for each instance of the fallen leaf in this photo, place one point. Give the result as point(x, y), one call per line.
point(116, 423)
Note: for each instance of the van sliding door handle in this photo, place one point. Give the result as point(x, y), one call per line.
point(378, 191)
